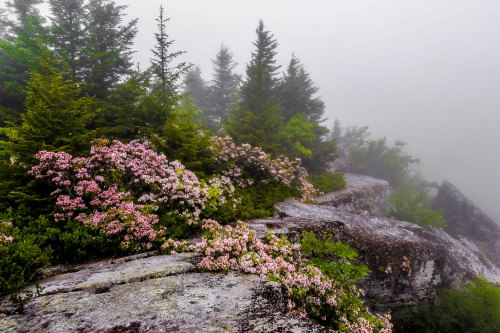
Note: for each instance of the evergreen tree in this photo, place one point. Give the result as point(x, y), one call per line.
point(259, 89)
point(122, 114)
point(297, 91)
point(20, 51)
point(68, 32)
point(107, 46)
point(56, 116)
point(196, 87)
point(23, 11)
point(256, 120)
point(167, 75)
point(222, 91)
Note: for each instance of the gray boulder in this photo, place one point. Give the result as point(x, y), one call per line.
point(362, 195)
point(463, 217)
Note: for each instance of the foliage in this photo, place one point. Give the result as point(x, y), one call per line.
point(106, 46)
point(56, 116)
point(247, 165)
point(68, 33)
point(298, 131)
point(167, 75)
point(412, 205)
point(19, 259)
point(122, 189)
point(377, 159)
point(258, 200)
point(312, 293)
point(296, 91)
point(474, 309)
point(327, 181)
point(196, 87)
point(222, 89)
point(256, 120)
point(182, 139)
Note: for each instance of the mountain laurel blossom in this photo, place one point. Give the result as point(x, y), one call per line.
point(311, 293)
point(4, 230)
point(119, 187)
point(247, 165)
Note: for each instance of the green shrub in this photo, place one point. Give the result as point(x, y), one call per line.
point(327, 181)
point(19, 262)
point(412, 205)
point(476, 309)
point(335, 259)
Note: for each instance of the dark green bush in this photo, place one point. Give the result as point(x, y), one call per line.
point(327, 181)
point(476, 309)
point(19, 262)
point(256, 201)
point(412, 205)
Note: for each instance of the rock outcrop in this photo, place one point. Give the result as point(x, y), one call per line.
point(436, 258)
point(362, 195)
point(149, 293)
point(463, 217)
point(154, 294)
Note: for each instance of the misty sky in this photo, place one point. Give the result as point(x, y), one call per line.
point(425, 72)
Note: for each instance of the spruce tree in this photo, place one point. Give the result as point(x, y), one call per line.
point(167, 76)
point(222, 90)
point(20, 50)
point(23, 11)
point(297, 92)
point(256, 120)
point(196, 87)
point(56, 116)
point(68, 32)
point(107, 46)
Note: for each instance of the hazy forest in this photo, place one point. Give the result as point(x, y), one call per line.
point(102, 158)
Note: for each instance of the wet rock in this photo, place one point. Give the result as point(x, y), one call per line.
point(436, 258)
point(463, 217)
point(155, 294)
point(362, 195)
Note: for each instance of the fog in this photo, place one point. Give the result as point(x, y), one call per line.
point(425, 72)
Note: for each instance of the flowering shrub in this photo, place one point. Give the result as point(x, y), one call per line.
point(312, 293)
point(246, 165)
point(4, 231)
point(120, 187)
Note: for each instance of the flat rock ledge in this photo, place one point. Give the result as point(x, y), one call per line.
point(436, 258)
point(154, 294)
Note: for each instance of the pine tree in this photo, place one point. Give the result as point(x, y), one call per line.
point(222, 90)
point(167, 76)
point(107, 46)
point(256, 120)
point(68, 32)
point(297, 91)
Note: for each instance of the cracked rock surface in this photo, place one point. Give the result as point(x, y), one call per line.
point(154, 294)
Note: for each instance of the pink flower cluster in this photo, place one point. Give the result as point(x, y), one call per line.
point(247, 165)
point(4, 230)
point(311, 292)
point(406, 266)
point(173, 246)
point(119, 186)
